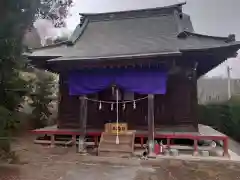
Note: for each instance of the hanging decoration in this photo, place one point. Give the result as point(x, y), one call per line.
point(134, 104)
point(100, 105)
point(112, 103)
point(113, 90)
point(112, 107)
point(124, 106)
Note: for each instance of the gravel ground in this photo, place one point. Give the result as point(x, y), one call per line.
point(44, 163)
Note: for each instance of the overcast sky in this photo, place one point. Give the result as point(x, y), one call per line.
point(213, 17)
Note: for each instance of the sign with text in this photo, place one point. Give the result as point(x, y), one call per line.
point(114, 128)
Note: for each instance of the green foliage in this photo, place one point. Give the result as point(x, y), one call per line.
point(18, 15)
point(223, 117)
point(15, 18)
point(41, 98)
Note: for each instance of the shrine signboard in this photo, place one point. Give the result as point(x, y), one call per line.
point(113, 128)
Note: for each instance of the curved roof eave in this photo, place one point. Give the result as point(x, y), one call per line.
point(233, 45)
point(73, 58)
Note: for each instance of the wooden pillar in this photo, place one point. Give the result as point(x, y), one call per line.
point(195, 97)
point(83, 123)
point(168, 143)
point(151, 129)
point(141, 139)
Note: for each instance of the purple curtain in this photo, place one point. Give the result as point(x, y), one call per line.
point(88, 82)
point(142, 81)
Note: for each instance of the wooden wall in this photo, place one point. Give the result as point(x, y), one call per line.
point(68, 107)
point(176, 107)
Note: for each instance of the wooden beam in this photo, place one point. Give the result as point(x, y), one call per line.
point(151, 129)
point(83, 123)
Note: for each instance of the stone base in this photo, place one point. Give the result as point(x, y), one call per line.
point(174, 152)
point(226, 155)
point(152, 155)
point(166, 152)
point(195, 153)
point(83, 152)
point(205, 153)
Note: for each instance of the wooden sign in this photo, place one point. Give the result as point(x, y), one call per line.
point(113, 128)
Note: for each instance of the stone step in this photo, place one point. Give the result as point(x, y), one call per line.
point(114, 142)
point(116, 147)
point(108, 146)
point(114, 154)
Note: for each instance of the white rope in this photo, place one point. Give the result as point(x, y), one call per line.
point(117, 138)
point(112, 102)
point(117, 106)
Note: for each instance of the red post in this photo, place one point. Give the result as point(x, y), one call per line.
point(141, 139)
point(195, 153)
point(74, 139)
point(225, 147)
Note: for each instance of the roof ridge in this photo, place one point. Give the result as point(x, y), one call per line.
point(84, 20)
point(135, 10)
point(79, 30)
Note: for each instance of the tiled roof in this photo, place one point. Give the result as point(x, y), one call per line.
point(154, 32)
point(149, 31)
